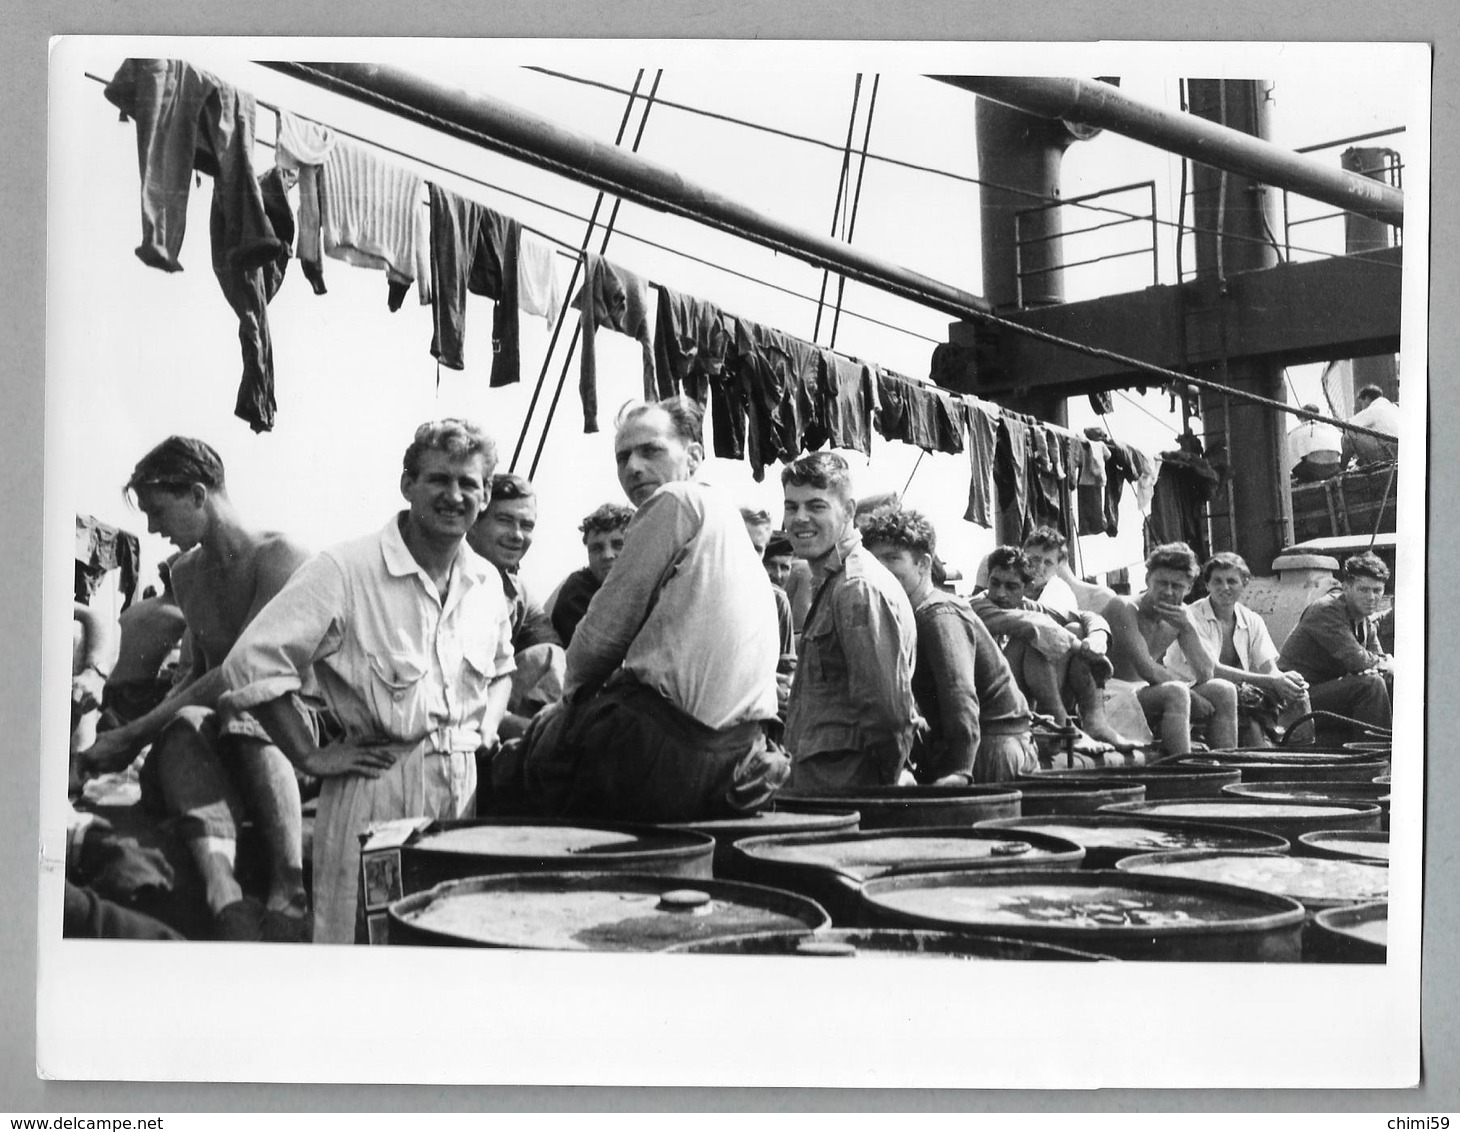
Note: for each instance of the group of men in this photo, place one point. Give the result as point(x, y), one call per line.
point(688, 683)
point(1318, 450)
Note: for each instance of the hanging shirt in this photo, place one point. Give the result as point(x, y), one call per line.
point(539, 289)
point(614, 297)
point(473, 248)
point(371, 216)
point(982, 423)
point(395, 664)
point(768, 370)
point(1011, 475)
point(848, 396)
point(692, 339)
point(302, 149)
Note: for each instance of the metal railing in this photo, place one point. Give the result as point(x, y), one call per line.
point(1121, 217)
point(1391, 171)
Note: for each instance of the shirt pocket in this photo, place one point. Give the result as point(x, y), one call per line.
point(479, 660)
point(822, 653)
point(396, 690)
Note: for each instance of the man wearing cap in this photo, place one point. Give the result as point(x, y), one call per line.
point(211, 768)
point(408, 635)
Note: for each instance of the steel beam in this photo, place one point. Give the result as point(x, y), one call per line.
point(1088, 103)
point(518, 133)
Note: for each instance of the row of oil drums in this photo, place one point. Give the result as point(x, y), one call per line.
point(1226, 856)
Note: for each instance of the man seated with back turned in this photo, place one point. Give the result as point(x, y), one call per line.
point(1054, 655)
point(672, 672)
point(1335, 645)
point(1143, 630)
point(977, 718)
point(1372, 410)
point(851, 715)
point(502, 535)
point(603, 536)
point(210, 767)
point(407, 633)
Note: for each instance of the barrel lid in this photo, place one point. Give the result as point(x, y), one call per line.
point(1368, 923)
point(1306, 791)
point(1238, 810)
point(905, 795)
point(543, 841)
point(1312, 881)
point(899, 943)
point(1119, 831)
point(876, 853)
point(1081, 904)
point(771, 821)
point(1361, 844)
point(583, 911)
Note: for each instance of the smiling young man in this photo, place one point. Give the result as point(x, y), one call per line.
point(502, 535)
point(1242, 652)
point(672, 673)
point(1144, 630)
point(407, 634)
point(851, 714)
point(211, 769)
point(603, 538)
point(1335, 646)
point(978, 719)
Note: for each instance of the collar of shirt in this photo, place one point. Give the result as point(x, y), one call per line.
point(468, 566)
point(831, 562)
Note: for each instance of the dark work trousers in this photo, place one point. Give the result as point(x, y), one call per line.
point(249, 291)
point(1011, 476)
point(982, 493)
point(473, 249)
point(1365, 698)
point(187, 119)
point(1045, 478)
point(626, 754)
point(691, 340)
point(88, 916)
point(614, 297)
point(947, 422)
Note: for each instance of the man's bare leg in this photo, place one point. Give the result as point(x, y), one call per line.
point(1222, 726)
point(272, 790)
point(1091, 698)
point(1046, 679)
point(1171, 701)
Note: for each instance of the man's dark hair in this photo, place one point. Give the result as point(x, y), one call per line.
point(1047, 538)
point(825, 471)
point(1368, 393)
point(1365, 565)
point(459, 439)
point(609, 517)
point(509, 485)
point(779, 546)
point(175, 465)
point(1173, 556)
point(686, 416)
point(1009, 558)
point(902, 528)
point(1226, 560)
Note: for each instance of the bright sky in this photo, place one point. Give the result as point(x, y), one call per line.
point(143, 354)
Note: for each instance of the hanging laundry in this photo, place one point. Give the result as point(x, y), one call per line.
point(301, 149)
point(100, 548)
point(1046, 477)
point(982, 423)
point(1186, 483)
point(1011, 476)
point(847, 398)
point(539, 288)
point(1091, 489)
point(249, 292)
point(187, 119)
point(371, 216)
point(691, 341)
point(473, 248)
point(765, 376)
point(1144, 485)
point(1102, 403)
point(901, 415)
point(618, 299)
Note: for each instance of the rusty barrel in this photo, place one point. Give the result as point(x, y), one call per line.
point(1355, 934)
point(1345, 844)
point(912, 807)
point(1285, 819)
point(831, 868)
point(576, 911)
point(1106, 838)
point(893, 943)
point(727, 831)
point(1120, 914)
point(1314, 882)
point(1162, 781)
point(1370, 793)
point(1315, 768)
point(1043, 795)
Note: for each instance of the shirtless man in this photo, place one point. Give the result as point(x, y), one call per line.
point(1052, 653)
point(1144, 629)
point(150, 630)
point(208, 767)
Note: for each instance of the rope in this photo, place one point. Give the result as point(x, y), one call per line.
point(841, 283)
point(836, 209)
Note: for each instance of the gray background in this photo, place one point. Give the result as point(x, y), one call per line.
point(22, 237)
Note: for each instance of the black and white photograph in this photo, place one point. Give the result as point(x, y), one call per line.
point(913, 549)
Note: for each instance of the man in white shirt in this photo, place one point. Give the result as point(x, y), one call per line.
point(1377, 412)
point(1242, 651)
point(409, 637)
point(1315, 449)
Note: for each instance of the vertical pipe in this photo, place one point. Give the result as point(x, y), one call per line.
point(1361, 234)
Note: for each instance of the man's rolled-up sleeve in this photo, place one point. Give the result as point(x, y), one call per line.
point(300, 626)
